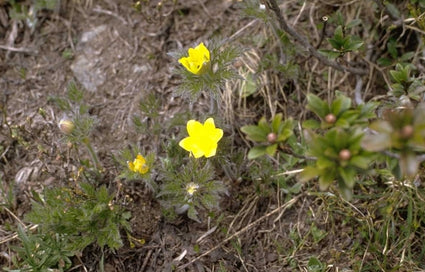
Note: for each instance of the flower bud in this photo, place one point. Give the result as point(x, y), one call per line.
point(330, 118)
point(271, 137)
point(66, 126)
point(344, 155)
point(407, 132)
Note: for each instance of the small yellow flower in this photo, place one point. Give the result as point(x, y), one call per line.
point(203, 138)
point(191, 188)
point(138, 165)
point(198, 61)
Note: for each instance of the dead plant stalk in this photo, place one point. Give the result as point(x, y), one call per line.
point(274, 7)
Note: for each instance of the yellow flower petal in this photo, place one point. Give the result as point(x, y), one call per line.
point(190, 145)
point(194, 54)
point(131, 166)
point(210, 151)
point(203, 52)
point(198, 61)
point(144, 169)
point(209, 123)
point(214, 133)
point(138, 165)
point(141, 159)
point(185, 62)
point(203, 138)
point(192, 126)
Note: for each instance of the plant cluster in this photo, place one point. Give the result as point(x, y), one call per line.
point(270, 136)
point(69, 220)
point(28, 12)
point(206, 69)
point(191, 188)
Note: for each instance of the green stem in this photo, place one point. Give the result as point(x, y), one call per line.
point(93, 155)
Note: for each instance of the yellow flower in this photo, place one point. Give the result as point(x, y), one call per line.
point(203, 138)
point(198, 61)
point(191, 188)
point(138, 165)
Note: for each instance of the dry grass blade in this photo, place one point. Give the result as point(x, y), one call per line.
point(248, 227)
point(15, 235)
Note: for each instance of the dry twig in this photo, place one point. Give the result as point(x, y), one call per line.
point(273, 6)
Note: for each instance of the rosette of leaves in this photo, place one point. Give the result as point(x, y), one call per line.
point(268, 135)
point(190, 188)
point(401, 132)
point(341, 44)
point(404, 85)
point(339, 113)
point(393, 55)
point(339, 157)
point(81, 216)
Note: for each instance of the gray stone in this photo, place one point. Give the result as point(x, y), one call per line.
point(87, 66)
point(87, 73)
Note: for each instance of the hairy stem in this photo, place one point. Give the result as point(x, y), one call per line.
point(93, 155)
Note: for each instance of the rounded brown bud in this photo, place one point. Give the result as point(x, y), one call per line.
point(271, 137)
point(330, 118)
point(66, 126)
point(407, 132)
point(344, 155)
point(238, 64)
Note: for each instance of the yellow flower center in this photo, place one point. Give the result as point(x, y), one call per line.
point(191, 188)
